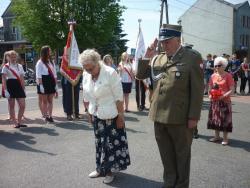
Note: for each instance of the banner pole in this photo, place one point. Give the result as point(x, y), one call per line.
point(73, 102)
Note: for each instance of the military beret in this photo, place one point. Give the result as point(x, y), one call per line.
point(169, 31)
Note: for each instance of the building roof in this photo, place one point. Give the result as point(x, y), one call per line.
point(226, 3)
point(237, 6)
point(6, 10)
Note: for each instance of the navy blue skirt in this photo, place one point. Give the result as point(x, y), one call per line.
point(48, 84)
point(126, 87)
point(15, 89)
point(112, 153)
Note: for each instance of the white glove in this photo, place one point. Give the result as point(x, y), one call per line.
point(41, 88)
point(6, 94)
point(56, 88)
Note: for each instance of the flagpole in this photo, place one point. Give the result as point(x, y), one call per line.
point(71, 28)
point(139, 81)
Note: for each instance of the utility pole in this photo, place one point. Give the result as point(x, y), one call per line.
point(164, 2)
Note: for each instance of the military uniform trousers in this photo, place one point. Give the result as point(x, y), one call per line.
point(174, 142)
point(67, 97)
point(140, 93)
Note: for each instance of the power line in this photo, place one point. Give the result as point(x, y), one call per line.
point(142, 9)
point(207, 11)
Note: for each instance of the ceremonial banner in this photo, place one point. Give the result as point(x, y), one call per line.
point(70, 68)
point(140, 50)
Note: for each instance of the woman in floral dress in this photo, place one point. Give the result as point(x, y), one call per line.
point(103, 97)
point(221, 85)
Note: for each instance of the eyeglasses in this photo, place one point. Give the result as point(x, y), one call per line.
point(218, 66)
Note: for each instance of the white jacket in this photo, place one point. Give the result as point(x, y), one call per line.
point(102, 94)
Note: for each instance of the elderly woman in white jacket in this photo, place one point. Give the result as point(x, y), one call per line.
point(102, 90)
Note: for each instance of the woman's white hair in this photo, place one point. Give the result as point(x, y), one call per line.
point(220, 60)
point(89, 56)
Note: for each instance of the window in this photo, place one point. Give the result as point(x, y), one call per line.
point(247, 40)
point(248, 22)
point(14, 30)
point(242, 41)
point(245, 21)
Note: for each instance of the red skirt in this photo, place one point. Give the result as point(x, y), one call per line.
point(220, 116)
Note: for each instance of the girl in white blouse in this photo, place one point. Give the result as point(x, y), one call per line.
point(102, 91)
point(127, 77)
point(14, 88)
point(47, 82)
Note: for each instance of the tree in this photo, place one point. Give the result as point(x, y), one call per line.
point(44, 22)
point(116, 45)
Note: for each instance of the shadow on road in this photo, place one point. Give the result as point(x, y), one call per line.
point(75, 125)
point(13, 140)
point(205, 105)
point(232, 142)
point(142, 113)
point(124, 180)
point(128, 118)
point(133, 131)
point(40, 130)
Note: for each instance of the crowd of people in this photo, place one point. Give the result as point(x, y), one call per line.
point(177, 78)
point(239, 69)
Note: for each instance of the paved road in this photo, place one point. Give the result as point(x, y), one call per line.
point(62, 155)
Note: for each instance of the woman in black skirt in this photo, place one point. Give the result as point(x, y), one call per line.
point(47, 84)
point(14, 88)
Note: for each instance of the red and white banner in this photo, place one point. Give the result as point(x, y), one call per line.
point(70, 68)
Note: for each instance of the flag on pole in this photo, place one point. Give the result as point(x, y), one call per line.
point(140, 50)
point(70, 68)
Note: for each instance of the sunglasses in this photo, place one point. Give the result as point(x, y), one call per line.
point(218, 66)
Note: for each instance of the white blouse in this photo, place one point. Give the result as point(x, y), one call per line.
point(125, 77)
point(15, 67)
point(103, 93)
point(41, 69)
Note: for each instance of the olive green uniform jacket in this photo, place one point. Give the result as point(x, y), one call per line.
point(178, 95)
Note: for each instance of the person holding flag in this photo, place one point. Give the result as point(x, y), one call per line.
point(47, 82)
point(71, 76)
point(140, 85)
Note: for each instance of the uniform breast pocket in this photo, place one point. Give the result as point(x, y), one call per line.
point(179, 78)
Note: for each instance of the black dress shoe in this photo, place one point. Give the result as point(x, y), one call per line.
point(49, 119)
point(22, 125)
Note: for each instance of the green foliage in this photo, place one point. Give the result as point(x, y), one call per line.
point(44, 22)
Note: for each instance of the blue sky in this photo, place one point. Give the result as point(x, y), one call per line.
point(148, 11)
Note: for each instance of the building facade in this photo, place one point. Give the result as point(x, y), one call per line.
point(13, 39)
point(242, 26)
point(216, 26)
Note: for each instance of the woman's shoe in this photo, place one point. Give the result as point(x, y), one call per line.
point(22, 125)
point(108, 179)
point(214, 139)
point(94, 174)
point(224, 143)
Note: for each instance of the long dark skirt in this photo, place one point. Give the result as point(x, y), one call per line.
point(15, 89)
point(220, 116)
point(112, 153)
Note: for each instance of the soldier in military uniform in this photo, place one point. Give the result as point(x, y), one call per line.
point(176, 102)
